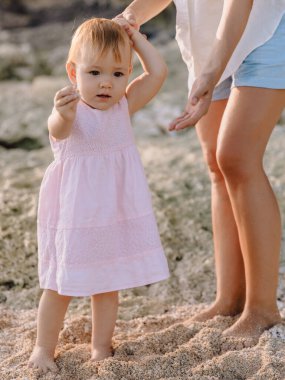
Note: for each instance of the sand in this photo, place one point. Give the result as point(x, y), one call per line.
point(165, 346)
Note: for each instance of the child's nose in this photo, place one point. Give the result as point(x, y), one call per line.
point(106, 84)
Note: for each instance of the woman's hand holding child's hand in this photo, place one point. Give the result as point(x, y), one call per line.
point(129, 28)
point(133, 34)
point(201, 94)
point(129, 17)
point(65, 102)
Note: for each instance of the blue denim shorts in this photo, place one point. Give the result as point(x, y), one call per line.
point(263, 67)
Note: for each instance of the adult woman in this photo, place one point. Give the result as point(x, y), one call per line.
point(237, 45)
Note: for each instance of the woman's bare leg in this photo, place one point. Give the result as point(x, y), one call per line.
point(249, 118)
point(52, 309)
point(104, 315)
point(228, 258)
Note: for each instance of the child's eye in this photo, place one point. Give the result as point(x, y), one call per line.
point(118, 74)
point(94, 72)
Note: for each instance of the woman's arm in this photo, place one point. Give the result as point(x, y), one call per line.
point(232, 25)
point(140, 11)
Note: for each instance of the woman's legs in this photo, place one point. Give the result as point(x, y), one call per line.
point(249, 118)
point(228, 258)
point(52, 309)
point(104, 315)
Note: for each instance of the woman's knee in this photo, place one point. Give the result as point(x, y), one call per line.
point(213, 167)
point(234, 165)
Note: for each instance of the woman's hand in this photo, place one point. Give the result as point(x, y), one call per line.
point(129, 16)
point(198, 103)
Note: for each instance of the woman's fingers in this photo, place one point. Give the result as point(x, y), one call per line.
point(131, 18)
point(197, 106)
point(189, 119)
point(181, 122)
point(192, 115)
point(177, 120)
point(127, 16)
point(121, 20)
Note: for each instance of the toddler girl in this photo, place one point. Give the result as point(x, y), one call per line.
point(97, 232)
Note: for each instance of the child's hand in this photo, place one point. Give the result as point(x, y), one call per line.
point(130, 28)
point(134, 35)
point(65, 102)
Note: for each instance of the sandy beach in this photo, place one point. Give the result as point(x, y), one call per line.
point(154, 338)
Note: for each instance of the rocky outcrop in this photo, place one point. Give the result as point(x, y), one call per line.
point(34, 42)
point(34, 35)
point(29, 13)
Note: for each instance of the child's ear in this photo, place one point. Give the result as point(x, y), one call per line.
point(71, 72)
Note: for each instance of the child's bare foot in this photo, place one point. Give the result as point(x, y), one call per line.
point(218, 308)
point(101, 353)
point(251, 325)
point(43, 360)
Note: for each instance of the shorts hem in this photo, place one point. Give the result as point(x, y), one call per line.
point(270, 86)
point(225, 97)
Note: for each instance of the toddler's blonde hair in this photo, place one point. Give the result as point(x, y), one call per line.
point(100, 34)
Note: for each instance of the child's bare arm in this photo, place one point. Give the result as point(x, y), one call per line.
point(61, 119)
point(143, 88)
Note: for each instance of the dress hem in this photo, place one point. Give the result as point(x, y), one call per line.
point(106, 290)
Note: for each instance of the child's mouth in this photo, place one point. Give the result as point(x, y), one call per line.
point(104, 96)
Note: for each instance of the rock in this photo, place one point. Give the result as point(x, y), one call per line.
point(3, 298)
point(34, 103)
point(12, 57)
point(25, 13)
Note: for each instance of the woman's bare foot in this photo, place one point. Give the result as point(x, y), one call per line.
point(252, 324)
point(218, 308)
point(101, 353)
point(43, 360)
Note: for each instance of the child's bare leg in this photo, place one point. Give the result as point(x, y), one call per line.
point(52, 309)
point(230, 296)
point(243, 139)
point(104, 315)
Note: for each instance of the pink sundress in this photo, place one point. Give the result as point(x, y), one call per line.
point(96, 227)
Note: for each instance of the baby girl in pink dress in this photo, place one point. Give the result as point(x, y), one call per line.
point(97, 233)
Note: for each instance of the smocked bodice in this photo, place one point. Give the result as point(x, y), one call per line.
point(96, 132)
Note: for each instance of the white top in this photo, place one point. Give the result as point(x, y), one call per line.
point(196, 26)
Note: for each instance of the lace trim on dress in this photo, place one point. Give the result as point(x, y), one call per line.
point(94, 245)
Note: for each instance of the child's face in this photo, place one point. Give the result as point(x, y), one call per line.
point(101, 80)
